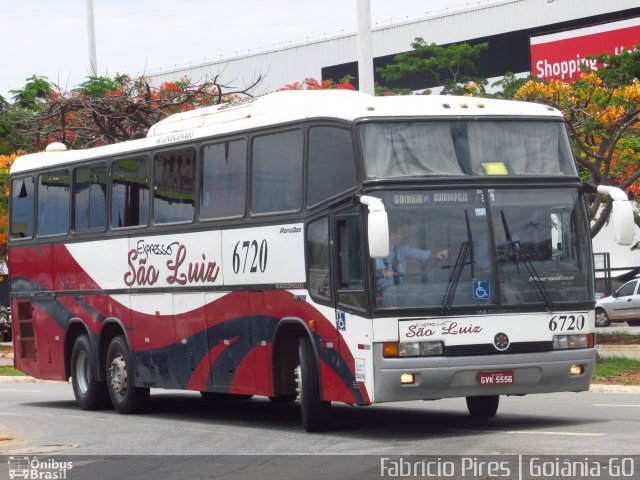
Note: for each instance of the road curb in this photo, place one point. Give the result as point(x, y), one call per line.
point(22, 379)
point(628, 389)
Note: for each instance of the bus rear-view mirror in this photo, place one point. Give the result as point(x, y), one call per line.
point(377, 227)
point(621, 214)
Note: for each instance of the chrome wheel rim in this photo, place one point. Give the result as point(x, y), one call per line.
point(601, 319)
point(82, 372)
point(118, 378)
point(298, 375)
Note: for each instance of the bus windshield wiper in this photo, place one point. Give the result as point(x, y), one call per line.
point(527, 263)
point(466, 251)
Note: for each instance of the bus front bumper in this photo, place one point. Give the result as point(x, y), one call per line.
point(446, 377)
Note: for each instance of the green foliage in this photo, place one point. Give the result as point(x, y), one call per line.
point(621, 69)
point(451, 66)
point(101, 86)
point(508, 86)
point(608, 368)
point(35, 93)
point(8, 371)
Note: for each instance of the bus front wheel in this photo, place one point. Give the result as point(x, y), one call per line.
point(315, 411)
point(483, 407)
point(89, 392)
point(125, 397)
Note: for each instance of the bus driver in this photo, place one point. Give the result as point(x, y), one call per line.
point(390, 270)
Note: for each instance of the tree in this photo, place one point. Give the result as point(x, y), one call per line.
point(452, 66)
point(602, 110)
point(313, 84)
point(5, 165)
point(105, 110)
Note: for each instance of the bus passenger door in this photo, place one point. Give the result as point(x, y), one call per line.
point(351, 319)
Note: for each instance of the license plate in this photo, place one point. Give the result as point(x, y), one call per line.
point(489, 379)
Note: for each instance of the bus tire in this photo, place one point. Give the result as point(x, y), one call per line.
point(315, 412)
point(89, 392)
point(287, 398)
point(124, 396)
point(483, 407)
point(223, 397)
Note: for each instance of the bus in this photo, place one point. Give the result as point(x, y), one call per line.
point(245, 249)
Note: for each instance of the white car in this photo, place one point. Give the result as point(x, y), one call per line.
point(622, 305)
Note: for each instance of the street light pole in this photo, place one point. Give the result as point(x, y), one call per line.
point(91, 29)
point(365, 50)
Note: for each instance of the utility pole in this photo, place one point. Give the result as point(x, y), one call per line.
point(91, 29)
point(365, 49)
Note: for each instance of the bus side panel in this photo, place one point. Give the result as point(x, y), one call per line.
point(152, 338)
point(36, 322)
point(67, 272)
point(30, 269)
point(50, 319)
point(191, 337)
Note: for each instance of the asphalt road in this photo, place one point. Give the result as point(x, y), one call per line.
point(43, 418)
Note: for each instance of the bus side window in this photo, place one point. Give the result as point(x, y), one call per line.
point(350, 255)
point(90, 197)
point(276, 172)
point(318, 259)
point(130, 192)
point(22, 194)
point(53, 203)
point(174, 186)
point(332, 165)
point(223, 180)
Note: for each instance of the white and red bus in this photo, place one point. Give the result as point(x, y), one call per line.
point(244, 250)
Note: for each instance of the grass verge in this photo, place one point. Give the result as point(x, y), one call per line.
point(619, 370)
point(617, 338)
point(8, 371)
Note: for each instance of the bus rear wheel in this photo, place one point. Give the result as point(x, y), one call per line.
point(125, 397)
point(89, 392)
point(483, 407)
point(315, 412)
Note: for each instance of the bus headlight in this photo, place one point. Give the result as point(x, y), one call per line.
point(420, 349)
point(563, 342)
point(409, 349)
point(431, 348)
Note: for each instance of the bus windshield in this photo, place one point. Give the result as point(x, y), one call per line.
point(481, 247)
point(475, 148)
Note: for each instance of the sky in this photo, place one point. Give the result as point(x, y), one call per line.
point(49, 38)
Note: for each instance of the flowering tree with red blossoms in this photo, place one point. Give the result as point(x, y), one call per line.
point(313, 84)
point(105, 110)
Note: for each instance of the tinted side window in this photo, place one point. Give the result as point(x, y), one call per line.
point(53, 203)
point(276, 173)
point(350, 247)
point(22, 195)
point(627, 289)
point(332, 166)
point(174, 186)
point(223, 180)
point(130, 192)
point(90, 197)
point(318, 258)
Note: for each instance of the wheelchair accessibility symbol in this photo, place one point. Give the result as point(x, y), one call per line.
point(481, 290)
